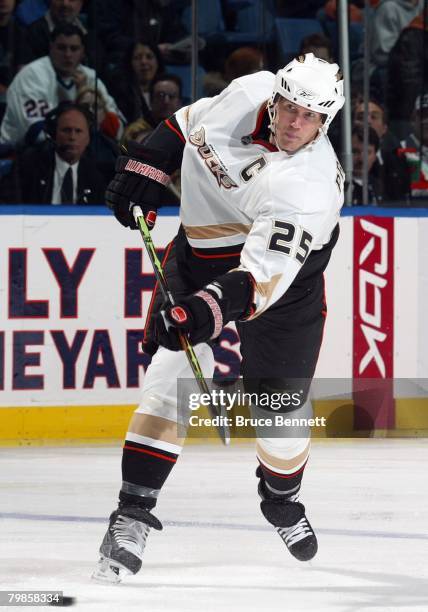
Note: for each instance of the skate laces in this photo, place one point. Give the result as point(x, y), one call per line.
point(130, 534)
point(296, 532)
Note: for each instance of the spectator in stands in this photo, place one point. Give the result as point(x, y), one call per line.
point(130, 84)
point(42, 84)
point(14, 52)
point(105, 133)
point(414, 151)
point(136, 131)
point(154, 21)
point(28, 11)
point(59, 11)
point(107, 122)
point(242, 61)
point(407, 70)
point(57, 171)
point(319, 45)
point(378, 120)
point(386, 184)
point(62, 11)
point(389, 19)
point(374, 188)
point(390, 167)
point(166, 96)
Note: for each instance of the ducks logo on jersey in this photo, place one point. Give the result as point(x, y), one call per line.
point(197, 138)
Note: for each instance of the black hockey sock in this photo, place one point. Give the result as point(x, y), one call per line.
point(280, 484)
point(144, 471)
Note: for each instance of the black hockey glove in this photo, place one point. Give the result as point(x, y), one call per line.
point(199, 316)
point(138, 180)
point(203, 315)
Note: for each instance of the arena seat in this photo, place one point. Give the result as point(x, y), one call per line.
point(290, 33)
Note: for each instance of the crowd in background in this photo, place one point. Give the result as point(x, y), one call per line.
point(79, 79)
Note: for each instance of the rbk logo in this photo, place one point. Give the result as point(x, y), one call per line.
point(372, 280)
point(306, 94)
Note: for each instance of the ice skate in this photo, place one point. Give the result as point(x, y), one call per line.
point(288, 517)
point(124, 542)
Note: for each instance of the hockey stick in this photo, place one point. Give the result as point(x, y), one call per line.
point(222, 428)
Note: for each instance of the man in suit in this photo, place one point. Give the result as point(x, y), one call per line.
point(58, 172)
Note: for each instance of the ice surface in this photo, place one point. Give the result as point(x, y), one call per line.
point(367, 500)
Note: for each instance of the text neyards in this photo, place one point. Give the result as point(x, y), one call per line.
point(69, 322)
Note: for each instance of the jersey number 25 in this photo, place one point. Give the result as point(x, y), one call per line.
point(282, 239)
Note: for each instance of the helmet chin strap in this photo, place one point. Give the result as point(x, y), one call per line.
point(271, 109)
point(271, 106)
point(277, 143)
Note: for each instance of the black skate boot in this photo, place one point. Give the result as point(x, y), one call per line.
point(123, 545)
point(288, 517)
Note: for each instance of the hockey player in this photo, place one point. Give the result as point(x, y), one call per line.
point(261, 195)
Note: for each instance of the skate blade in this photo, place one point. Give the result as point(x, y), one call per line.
point(110, 572)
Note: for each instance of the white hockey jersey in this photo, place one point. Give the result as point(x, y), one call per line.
point(235, 189)
point(34, 91)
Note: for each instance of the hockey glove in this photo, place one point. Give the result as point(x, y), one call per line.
point(199, 316)
point(203, 315)
point(139, 179)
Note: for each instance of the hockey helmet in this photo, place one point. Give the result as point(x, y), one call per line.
point(310, 82)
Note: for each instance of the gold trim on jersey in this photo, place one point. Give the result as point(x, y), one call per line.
point(266, 289)
point(282, 464)
point(155, 427)
point(207, 232)
point(187, 116)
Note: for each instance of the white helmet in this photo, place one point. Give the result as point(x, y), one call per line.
point(310, 82)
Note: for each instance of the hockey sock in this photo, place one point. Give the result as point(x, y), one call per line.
point(145, 467)
point(280, 484)
point(282, 463)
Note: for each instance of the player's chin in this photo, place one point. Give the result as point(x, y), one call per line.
point(290, 144)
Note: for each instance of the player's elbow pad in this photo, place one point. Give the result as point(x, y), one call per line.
point(163, 148)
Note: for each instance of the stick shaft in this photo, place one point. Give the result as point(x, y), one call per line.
point(184, 341)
